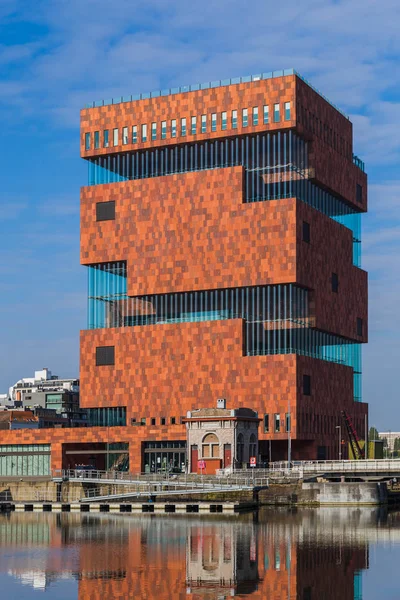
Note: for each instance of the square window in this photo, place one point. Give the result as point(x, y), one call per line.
point(133, 420)
point(307, 385)
point(162, 420)
point(97, 139)
point(163, 130)
point(153, 132)
point(105, 355)
point(115, 137)
point(359, 193)
point(183, 126)
point(277, 422)
point(276, 113)
point(193, 125)
point(287, 111)
point(173, 128)
point(105, 211)
point(214, 122)
point(306, 232)
point(106, 138)
point(203, 123)
point(266, 423)
point(234, 119)
point(245, 117)
point(224, 121)
point(134, 134)
point(266, 115)
point(359, 326)
point(125, 135)
point(335, 283)
point(87, 141)
point(144, 133)
point(255, 115)
point(287, 421)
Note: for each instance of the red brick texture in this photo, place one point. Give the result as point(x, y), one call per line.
point(188, 104)
point(328, 131)
point(194, 232)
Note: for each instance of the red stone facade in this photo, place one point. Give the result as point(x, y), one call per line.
point(194, 231)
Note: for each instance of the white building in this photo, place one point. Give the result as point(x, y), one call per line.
point(390, 436)
point(43, 381)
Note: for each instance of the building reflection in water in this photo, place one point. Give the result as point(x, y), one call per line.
point(301, 555)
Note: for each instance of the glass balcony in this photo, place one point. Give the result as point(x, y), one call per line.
point(276, 166)
point(277, 318)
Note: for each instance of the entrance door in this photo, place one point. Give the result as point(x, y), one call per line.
point(227, 455)
point(194, 456)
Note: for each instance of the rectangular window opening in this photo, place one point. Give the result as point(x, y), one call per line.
point(173, 128)
point(134, 134)
point(359, 193)
point(287, 111)
point(224, 121)
point(183, 126)
point(266, 423)
point(214, 122)
point(153, 132)
point(359, 326)
point(335, 283)
point(266, 115)
point(245, 117)
point(306, 385)
point(115, 137)
point(234, 119)
point(277, 422)
point(125, 138)
point(87, 141)
point(276, 113)
point(105, 211)
point(97, 139)
point(255, 115)
point(203, 123)
point(193, 125)
point(163, 130)
point(105, 355)
point(106, 138)
point(306, 232)
point(144, 133)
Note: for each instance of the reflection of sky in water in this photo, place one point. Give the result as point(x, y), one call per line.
point(329, 553)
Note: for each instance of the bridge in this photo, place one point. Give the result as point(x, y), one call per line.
point(372, 469)
point(128, 485)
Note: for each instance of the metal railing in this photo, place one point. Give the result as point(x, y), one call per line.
point(338, 466)
point(210, 84)
point(182, 480)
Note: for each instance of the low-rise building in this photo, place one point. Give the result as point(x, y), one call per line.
point(390, 437)
point(221, 438)
point(50, 393)
point(18, 419)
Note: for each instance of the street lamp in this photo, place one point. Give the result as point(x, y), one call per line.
point(340, 441)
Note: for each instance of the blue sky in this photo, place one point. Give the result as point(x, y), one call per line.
point(56, 55)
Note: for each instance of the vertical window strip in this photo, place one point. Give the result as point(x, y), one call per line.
point(255, 115)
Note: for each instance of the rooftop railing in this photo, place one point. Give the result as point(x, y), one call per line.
point(359, 163)
point(209, 85)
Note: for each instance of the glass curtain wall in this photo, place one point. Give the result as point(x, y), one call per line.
point(277, 318)
point(276, 166)
point(25, 460)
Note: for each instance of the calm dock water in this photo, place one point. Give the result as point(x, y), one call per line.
point(327, 553)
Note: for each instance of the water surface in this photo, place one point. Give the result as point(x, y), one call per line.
point(326, 553)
